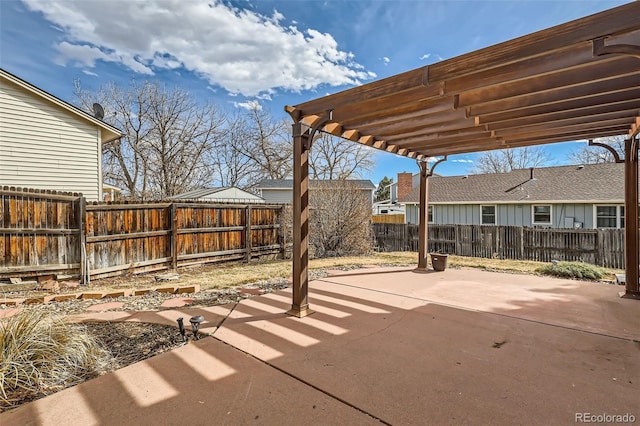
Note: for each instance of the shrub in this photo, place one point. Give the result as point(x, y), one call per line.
point(339, 220)
point(41, 354)
point(579, 270)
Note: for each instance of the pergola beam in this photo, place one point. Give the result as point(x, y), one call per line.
point(403, 102)
point(568, 94)
point(590, 112)
point(609, 99)
point(434, 122)
point(600, 71)
point(377, 89)
point(621, 124)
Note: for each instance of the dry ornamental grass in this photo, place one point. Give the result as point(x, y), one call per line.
point(41, 354)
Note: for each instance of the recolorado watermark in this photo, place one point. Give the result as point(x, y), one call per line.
point(604, 418)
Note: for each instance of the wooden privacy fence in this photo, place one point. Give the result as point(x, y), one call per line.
point(388, 218)
point(604, 247)
point(48, 232)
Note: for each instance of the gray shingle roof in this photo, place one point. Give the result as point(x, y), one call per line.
point(592, 182)
point(288, 183)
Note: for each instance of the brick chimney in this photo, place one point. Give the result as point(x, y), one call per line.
point(405, 185)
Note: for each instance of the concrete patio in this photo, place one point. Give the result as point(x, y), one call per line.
point(391, 346)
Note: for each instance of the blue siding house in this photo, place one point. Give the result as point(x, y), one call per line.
point(577, 196)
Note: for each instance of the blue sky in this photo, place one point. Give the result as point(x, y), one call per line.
point(276, 53)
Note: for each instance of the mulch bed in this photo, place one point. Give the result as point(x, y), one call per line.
point(131, 342)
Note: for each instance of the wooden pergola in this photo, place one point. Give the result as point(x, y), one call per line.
point(579, 80)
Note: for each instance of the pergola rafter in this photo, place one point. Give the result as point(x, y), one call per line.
point(578, 80)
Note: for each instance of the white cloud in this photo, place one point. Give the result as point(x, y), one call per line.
point(88, 55)
point(240, 50)
point(87, 72)
point(435, 56)
point(250, 105)
point(385, 60)
point(433, 159)
point(462, 161)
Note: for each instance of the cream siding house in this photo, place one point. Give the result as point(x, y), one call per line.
point(46, 143)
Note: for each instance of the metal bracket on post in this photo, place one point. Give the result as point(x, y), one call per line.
point(599, 49)
point(423, 164)
point(300, 128)
point(609, 148)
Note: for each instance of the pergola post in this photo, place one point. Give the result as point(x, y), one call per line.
point(301, 145)
point(631, 218)
point(423, 227)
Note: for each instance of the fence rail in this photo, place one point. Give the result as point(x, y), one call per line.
point(48, 232)
point(604, 247)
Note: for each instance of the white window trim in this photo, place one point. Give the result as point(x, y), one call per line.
point(495, 214)
point(618, 215)
point(433, 213)
point(533, 215)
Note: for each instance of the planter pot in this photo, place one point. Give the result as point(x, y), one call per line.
point(438, 261)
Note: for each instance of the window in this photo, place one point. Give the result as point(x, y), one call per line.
point(542, 215)
point(488, 215)
point(430, 214)
point(606, 216)
point(609, 217)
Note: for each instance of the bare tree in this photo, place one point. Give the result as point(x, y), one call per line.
point(332, 158)
point(167, 138)
point(340, 219)
point(505, 160)
point(230, 165)
point(124, 162)
point(267, 143)
point(595, 155)
point(182, 133)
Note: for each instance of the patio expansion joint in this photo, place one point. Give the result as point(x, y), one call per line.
point(307, 383)
point(565, 327)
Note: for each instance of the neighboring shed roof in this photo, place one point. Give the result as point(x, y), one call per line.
point(196, 193)
point(208, 192)
point(588, 183)
point(108, 132)
point(288, 183)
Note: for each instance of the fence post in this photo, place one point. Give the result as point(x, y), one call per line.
point(174, 236)
point(247, 232)
point(82, 238)
point(282, 234)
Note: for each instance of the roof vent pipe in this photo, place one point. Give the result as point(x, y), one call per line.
point(532, 175)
